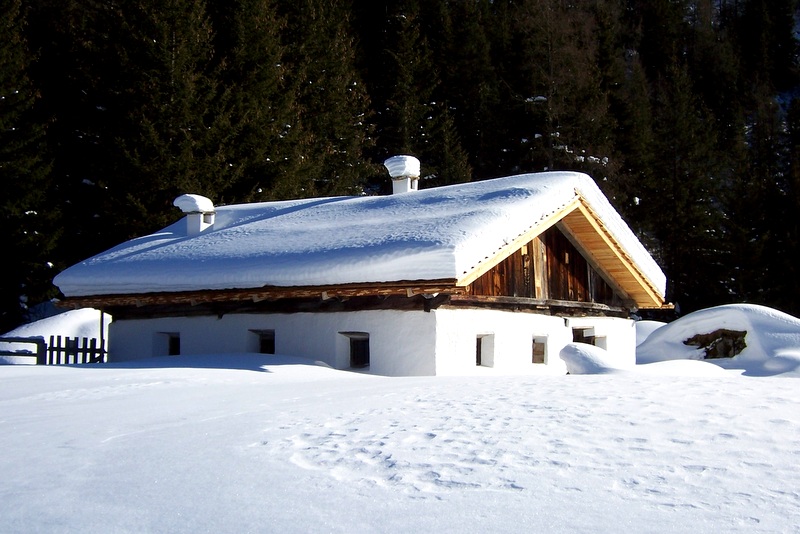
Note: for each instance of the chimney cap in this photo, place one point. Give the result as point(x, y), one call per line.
point(402, 166)
point(194, 204)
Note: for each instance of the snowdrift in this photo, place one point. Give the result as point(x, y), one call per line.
point(772, 339)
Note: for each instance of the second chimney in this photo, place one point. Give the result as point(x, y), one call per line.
point(199, 212)
point(404, 171)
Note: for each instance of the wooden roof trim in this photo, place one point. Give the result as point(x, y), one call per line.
point(521, 240)
point(595, 263)
point(645, 287)
point(403, 288)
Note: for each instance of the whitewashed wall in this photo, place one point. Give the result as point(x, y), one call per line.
point(402, 343)
point(510, 341)
point(617, 336)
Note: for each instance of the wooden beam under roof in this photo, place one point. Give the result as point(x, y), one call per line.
point(404, 288)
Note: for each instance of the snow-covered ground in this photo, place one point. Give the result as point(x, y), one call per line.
point(258, 443)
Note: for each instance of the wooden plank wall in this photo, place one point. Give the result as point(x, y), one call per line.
point(511, 277)
point(549, 267)
point(567, 270)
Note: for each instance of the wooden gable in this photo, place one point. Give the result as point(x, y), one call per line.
point(587, 231)
point(570, 256)
point(549, 267)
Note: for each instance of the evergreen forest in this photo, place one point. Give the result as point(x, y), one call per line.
point(685, 112)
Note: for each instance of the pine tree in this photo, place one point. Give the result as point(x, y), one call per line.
point(469, 84)
point(412, 121)
point(787, 269)
point(410, 83)
point(680, 201)
point(172, 132)
point(567, 109)
point(257, 100)
point(760, 211)
point(717, 81)
point(71, 71)
point(660, 28)
point(634, 138)
point(333, 104)
point(28, 233)
point(767, 42)
point(449, 161)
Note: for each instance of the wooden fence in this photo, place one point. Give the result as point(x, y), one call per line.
point(60, 351)
point(37, 343)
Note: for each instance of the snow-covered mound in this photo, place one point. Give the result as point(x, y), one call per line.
point(772, 339)
point(584, 359)
point(81, 323)
point(645, 328)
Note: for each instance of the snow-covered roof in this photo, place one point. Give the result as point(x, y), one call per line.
point(442, 233)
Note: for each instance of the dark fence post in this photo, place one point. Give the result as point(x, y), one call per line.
point(53, 351)
point(41, 352)
point(72, 350)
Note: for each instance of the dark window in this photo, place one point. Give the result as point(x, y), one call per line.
point(583, 335)
point(484, 350)
point(359, 352)
point(174, 347)
point(266, 342)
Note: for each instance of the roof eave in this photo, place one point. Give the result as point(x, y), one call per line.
point(608, 256)
point(405, 288)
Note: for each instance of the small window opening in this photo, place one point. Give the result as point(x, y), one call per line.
point(359, 352)
point(358, 346)
point(174, 345)
point(266, 341)
point(583, 335)
point(538, 350)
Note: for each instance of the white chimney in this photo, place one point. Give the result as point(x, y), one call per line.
point(404, 171)
point(199, 212)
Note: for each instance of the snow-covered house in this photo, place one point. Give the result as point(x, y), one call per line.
point(500, 273)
